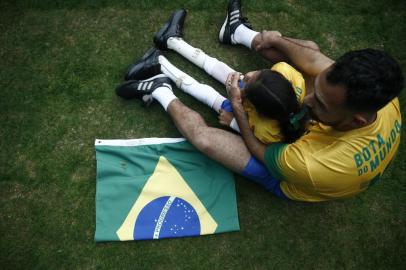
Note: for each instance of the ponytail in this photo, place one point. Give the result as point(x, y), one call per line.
point(294, 126)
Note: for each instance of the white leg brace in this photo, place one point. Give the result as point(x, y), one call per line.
point(201, 92)
point(212, 66)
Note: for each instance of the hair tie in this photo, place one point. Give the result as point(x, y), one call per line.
point(294, 118)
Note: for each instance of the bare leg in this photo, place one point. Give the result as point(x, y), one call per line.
point(220, 145)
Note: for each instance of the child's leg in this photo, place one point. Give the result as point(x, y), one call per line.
point(212, 66)
point(186, 83)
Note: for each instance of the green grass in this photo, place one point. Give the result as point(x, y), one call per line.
point(60, 62)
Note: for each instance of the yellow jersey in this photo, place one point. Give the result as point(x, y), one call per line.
point(267, 130)
point(327, 164)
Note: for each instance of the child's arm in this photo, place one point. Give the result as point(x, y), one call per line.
point(256, 147)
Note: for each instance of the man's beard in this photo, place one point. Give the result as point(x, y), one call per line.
point(314, 117)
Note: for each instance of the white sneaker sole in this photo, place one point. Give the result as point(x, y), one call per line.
point(223, 29)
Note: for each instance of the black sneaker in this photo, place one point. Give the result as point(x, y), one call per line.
point(140, 88)
point(233, 20)
point(173, 28)
point(145, 68)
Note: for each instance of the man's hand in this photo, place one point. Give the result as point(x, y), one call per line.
point(306, 58)
point(267, 39)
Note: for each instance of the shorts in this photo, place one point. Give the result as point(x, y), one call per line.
point(258, 173)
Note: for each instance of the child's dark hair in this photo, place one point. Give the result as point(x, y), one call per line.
point(273, 96)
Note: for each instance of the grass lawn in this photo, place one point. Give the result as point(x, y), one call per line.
point(59, 64)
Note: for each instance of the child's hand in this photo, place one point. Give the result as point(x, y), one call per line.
point(225, 117)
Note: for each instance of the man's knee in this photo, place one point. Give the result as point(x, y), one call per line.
point(200, 139)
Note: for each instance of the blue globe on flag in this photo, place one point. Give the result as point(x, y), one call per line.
point(166, 217)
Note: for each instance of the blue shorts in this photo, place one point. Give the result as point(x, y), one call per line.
point(258, 173)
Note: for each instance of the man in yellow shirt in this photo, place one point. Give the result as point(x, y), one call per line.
point(353, 101)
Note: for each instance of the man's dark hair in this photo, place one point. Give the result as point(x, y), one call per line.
point(273, 96)
point(372, 79)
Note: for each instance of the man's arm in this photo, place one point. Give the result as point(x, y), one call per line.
point(308, 60)
point(255, 147)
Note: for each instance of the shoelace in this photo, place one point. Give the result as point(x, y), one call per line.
point(245, 21)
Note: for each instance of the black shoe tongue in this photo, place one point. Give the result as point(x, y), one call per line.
point(245, 22)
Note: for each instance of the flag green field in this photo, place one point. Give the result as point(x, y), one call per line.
point(160, 188)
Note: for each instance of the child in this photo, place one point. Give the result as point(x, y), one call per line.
point(273, 104)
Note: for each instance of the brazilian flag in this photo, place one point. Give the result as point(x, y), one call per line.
point(157, 188)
